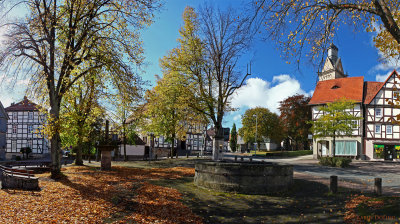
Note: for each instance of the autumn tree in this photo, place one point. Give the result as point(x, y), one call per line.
point(295, 114)
point(80, 109)
point(337, 120)
point(59, 42)
point(167, 110)
point(210, 45)
point(263, 122)
point(233, 138)
point(306, 28)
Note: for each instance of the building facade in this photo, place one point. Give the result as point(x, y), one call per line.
point(3, 131)
point(23, 128)
point(377, 135)
point(382, 130)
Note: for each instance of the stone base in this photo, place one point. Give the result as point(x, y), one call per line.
point(246, 178)
point(23, 183)
point(105, 160)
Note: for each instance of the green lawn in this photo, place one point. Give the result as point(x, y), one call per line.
point(282, 153)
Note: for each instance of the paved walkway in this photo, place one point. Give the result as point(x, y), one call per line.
point(360, 175)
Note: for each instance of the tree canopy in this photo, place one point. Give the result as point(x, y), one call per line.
point(209, 47)
point(233, 138)
point(295, 115)
point(59, 42)
point(307, 27)
point(167, 110)
point(262, 121)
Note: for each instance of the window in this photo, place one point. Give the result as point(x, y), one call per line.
point(389, 129)
point(30, 115)
point(13, 146)
point(14, 115)
point(346, 148)
point(378, 112)
point(378, 128)
point(14, 129)
point(354, 124)
point(30, 129)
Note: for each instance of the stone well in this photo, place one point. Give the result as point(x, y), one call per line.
point(244, 177)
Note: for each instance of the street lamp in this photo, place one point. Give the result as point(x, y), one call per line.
point(255, 148)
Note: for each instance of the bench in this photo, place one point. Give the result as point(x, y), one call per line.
point(22, 179)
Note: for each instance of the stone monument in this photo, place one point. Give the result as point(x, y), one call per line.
point(105, 148)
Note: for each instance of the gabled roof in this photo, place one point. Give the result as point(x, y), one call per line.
point(24, 105)
point(378, 88)
point(3, 112)
point(330, 90)
point(370, 91)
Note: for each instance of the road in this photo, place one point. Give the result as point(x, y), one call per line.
point(360, 172)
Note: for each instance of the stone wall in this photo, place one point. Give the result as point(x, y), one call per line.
point(247, 178)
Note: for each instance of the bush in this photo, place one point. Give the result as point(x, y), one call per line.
point(335, 161)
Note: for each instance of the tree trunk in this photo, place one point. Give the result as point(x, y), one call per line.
point(78, 159)
point(55, 143)
point(333, 145)
point(124, 130)
point(217, 141)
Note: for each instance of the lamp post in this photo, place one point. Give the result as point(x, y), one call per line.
point(255, 149)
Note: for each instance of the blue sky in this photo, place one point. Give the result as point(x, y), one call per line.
point(272, 79)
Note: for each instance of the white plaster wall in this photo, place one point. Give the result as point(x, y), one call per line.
point(132, 150)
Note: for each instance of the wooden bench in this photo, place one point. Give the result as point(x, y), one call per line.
point(22, 179)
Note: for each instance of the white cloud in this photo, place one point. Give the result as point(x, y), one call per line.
point(258, 92)
point(237, 117)
point(382, 78)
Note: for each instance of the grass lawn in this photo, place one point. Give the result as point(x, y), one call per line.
point(163, 192)
point(282, 153)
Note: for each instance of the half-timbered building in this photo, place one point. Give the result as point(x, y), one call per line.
point(23, 128)
point(329, 91)
point(333, 85)
point(377, 135)
point(382, 132)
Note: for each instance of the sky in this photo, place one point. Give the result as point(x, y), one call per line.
point(272, 79)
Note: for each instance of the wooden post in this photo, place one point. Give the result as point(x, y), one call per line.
point(251, 159)
point(333, 186)
point(241, 158)
point(235, 158)
point(378, 186)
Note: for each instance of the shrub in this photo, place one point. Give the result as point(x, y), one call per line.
point(335, 161)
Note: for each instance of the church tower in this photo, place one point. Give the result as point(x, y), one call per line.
point(333, 68)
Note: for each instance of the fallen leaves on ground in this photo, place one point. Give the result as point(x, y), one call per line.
point(87, 195)
point(351, 206)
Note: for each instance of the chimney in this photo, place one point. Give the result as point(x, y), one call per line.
point(333, 53)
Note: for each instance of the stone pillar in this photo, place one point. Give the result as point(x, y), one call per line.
point(218, 149)
point(105, 160)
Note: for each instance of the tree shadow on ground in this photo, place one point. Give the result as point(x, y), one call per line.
point(306, 202)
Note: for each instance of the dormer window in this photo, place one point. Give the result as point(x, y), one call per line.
point(335, 87)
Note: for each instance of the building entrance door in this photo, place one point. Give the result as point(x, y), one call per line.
point(324, 148)
point(389, 152)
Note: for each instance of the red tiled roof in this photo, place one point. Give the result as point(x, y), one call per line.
point(372, 94)
point(330, 90)
point(371, 89)
point(24, 105)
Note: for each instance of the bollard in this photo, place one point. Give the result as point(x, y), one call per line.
point(251, 159)
point(235, 158)
point(378, 186)
point(187, 155)
point(241, 159)
point(333, 186)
